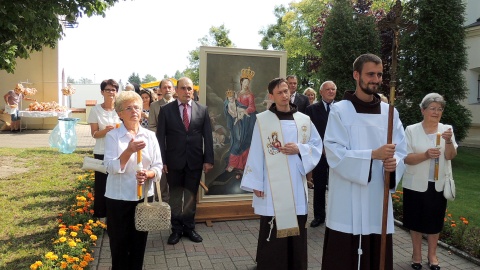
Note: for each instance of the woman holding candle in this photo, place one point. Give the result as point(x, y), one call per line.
point(429, 144)
point(125, 148)
point(102, 119)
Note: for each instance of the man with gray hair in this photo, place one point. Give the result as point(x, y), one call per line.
point(166, 89)
point(318, 113)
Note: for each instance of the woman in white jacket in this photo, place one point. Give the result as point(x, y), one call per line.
point(430, 144)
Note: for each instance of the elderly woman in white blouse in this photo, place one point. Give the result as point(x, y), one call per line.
point(424, 205)
point(121, 146)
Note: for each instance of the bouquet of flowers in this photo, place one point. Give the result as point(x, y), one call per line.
point(46, 106)
point(68, 90)
point(29, 91)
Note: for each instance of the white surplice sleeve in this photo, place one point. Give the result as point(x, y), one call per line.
point(351, 165)
point(400, 141)
point(311, 152)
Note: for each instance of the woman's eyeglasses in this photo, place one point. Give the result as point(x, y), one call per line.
point(132, 108)
point(433, 109)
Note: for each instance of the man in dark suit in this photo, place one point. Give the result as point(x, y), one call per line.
point(184, 133)
point(296, 98)
point(318, 113)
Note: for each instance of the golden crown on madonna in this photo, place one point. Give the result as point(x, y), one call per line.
point(247, 73)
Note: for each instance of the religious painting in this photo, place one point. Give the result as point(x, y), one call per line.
point(233, 84)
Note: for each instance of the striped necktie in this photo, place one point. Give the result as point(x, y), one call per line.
point(186, 121)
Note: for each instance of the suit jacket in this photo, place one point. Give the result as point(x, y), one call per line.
point(180, 148)
point(319, 116)
point(154, 111)
point(301, 101)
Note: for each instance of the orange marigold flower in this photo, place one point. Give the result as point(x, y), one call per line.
point(450, 215)
point(36, 265)
point(454, 225)
point(465, 222)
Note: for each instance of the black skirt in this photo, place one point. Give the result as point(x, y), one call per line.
point(424, 212)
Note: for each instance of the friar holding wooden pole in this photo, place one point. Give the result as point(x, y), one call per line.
point(359, 156)
point(365, 147)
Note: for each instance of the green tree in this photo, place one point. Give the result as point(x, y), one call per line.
point(148, 78)
point(178, 75)
point(70, 80)
point(430, 62)
point(28, 26)
point(299, 30)
point(347, 35)
point(84, 80)
point(134, 78)
point(294, 32)
point(217, 36)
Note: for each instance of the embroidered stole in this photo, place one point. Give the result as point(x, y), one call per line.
point(278, 169)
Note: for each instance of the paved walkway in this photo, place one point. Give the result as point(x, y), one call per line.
point(229, 244)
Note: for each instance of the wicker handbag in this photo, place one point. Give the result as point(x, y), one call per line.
point(153, 216)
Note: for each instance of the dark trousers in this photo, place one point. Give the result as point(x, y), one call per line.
point(163, 189)
point(320, 181)
point(183, 186)
point(127, 245)
point(100, 184)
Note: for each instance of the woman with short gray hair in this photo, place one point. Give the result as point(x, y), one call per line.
point(430, 144)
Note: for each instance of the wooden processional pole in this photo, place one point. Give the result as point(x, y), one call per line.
point(394, 22)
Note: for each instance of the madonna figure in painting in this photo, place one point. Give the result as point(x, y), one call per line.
point(241, 115)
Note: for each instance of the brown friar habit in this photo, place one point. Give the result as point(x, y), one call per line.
point(340, 250)
point(293, 249)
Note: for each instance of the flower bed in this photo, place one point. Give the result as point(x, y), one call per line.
point(456, 231)
point(77, 231)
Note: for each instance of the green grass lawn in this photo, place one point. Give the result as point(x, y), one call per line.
point(466, 172)
point(30, 200)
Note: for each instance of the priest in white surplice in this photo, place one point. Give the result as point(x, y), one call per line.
point(285, 147)
point(358, 155)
